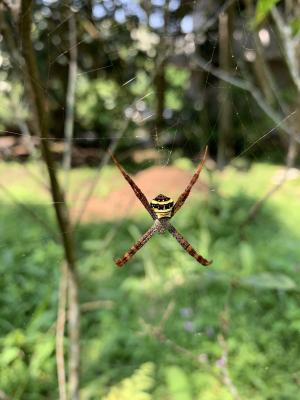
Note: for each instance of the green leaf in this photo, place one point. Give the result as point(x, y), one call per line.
point(42, 355)
point(263, 8)
point(178, 383)
point(295, 25)
point(9, 355)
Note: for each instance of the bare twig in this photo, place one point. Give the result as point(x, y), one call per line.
point(166, 315)
point(223, 365)
point(278, 119)
point(291, 156)
point(225, 105)
point(285, 113)
point(74, 334)
point(70, 100)
point(200, 360)
point(289, 45)
point(292, 63)
point(209, 22)
point(71, 289)
point(60, 333)
point(261, 69)
point(270, 86)
point(96, 304)
point(157, 333)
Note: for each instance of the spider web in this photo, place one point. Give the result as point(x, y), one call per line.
point(263, 141)
point(250, 147)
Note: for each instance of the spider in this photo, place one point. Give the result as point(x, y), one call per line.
point(161, 209)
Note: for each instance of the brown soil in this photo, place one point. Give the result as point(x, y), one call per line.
point(122, 203)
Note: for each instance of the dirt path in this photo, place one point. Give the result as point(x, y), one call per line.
point(122, 203)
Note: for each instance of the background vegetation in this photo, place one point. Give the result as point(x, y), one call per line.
point(155, 82)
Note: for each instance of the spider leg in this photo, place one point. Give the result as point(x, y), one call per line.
point(182, 198)
point(140, 243)
point(139, 194)
point(187, 247)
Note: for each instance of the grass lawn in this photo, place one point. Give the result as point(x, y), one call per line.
point(163, 327)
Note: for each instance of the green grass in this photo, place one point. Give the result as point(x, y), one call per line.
point(250, 295)
point(25, 180)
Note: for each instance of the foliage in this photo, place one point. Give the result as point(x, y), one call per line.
point(27, 302)
point(94, 97)
point(134, 387)
point(120, 50)
point(263, 7)
point(11, 106)
point(255, 279)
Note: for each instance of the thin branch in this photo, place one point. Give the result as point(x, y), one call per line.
point(60, 333)
point(96, 305)
point(248, 87)
point(71, 289)
point(270, 82)
point(211, 21)
point(157, 332)
point(166, 315)
point(224, 152)
point(74, 334)
point(70, 100)
point(291, 156)
point(223, 365)
point(286, 114)
point(289, 45)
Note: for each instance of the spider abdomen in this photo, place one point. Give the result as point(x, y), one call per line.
point(162, 206)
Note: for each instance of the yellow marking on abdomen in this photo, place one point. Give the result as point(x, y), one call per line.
point(161, 202)
point(162, 206)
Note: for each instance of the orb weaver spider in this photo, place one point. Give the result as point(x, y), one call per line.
point(161, 209)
